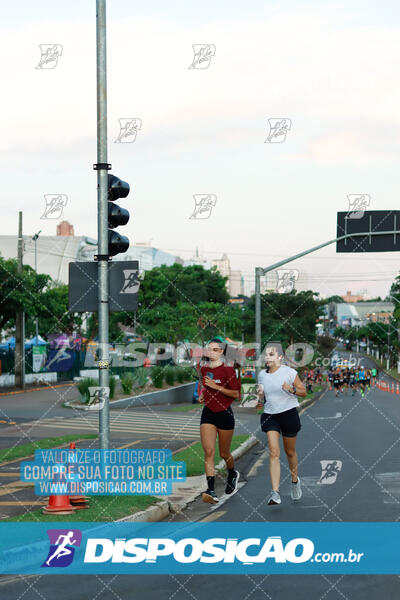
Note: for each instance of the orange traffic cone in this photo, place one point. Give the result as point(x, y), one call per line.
point(392, 387)
point(397, 389)
point(78, 502)
point(59, 505)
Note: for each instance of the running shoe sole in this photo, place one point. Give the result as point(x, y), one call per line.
point(207, 498)
point(272, 502)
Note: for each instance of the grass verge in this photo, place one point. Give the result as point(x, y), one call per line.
point(184, 407)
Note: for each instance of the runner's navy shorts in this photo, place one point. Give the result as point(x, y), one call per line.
point(223, 419)
point(287, 423)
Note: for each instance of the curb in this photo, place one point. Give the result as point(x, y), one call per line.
point(147, 398)
point(157, 512)
point(166, 507)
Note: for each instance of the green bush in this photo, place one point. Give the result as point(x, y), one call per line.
point(190, 374)
point(170, 375)
point(140, 376)
point(83, 387)
point(180, 375)
point(127, 381)
point(157, 376)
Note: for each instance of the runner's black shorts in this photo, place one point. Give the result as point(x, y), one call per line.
point(223, 419)
point(287, 423)
point(336, 384)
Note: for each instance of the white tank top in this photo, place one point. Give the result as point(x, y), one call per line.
point(276, 399)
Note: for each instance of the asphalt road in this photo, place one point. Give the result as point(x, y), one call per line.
point(349, 453)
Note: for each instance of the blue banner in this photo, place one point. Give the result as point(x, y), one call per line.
point(194, 548)
point(103, 472)
point(59, 360)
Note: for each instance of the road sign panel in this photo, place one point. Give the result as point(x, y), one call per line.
point(123, 286)
point(369, 221)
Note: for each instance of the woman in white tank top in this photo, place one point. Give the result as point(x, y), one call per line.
point(278, 388)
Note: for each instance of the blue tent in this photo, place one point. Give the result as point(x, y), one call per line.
point(35, 341)
point(10, 343)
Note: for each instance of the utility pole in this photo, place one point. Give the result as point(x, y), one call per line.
point(19, 355)
point(35, 238)
point(388, 345)
point(102, 221)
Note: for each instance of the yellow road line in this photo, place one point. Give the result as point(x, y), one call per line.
point(22, 503)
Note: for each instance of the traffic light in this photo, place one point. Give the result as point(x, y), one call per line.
point(117, 216)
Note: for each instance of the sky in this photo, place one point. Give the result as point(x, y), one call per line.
point(330, 68)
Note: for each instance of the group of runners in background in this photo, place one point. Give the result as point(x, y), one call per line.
point(344, 379)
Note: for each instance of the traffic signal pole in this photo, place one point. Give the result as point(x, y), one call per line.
point(259, 271)
point(102, 224)
point(19, 354)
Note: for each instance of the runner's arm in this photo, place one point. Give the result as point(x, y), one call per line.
point(230, 393)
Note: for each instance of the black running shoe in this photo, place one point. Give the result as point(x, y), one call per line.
point(210, 496)
point(232, 482)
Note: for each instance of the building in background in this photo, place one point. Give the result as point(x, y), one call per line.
point(349, 297)
point(55, 252)
point(357, 314)
point(197, 259)
point(234, 283)
point(65, 228)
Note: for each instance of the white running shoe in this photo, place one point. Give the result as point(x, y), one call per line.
point(295, 491)
point(274, 498)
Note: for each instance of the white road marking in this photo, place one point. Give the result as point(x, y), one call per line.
point(337, 416)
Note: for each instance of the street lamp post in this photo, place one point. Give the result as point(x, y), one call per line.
point(259, 271)
point(35, 238)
